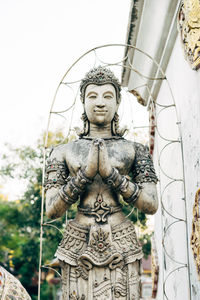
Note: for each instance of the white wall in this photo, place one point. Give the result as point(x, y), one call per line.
point(185, 85)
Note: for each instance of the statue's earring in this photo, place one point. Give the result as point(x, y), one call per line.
point(86, 126)
point(86, 123)
point(115, 124)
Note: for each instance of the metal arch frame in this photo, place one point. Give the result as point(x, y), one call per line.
point(130, 67)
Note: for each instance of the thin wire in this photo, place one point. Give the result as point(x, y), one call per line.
point(50, 268)
point(112, 64)
point(51, 225)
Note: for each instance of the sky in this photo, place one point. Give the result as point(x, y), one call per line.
point(40, 39)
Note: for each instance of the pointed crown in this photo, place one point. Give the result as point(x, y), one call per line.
point(100, 76)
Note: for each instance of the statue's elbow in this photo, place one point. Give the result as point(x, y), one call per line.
point(154, 206)
point(50, 213)
point(153, 209)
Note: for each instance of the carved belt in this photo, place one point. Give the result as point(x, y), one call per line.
point(101, 210)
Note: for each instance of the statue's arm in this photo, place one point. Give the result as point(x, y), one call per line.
point(144, 178)
point(56, 175)
point(61, 189)
point(141, 190)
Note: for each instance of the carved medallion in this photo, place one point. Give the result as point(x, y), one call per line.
point(101, 210)
point(189, 27)
point(195, 237)
point(100, 241)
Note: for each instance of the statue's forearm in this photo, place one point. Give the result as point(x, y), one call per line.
point(58, 200)
point(147, 200)
point(55, 206)
point(143, 196)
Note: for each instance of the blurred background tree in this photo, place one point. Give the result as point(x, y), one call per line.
point(20, 219)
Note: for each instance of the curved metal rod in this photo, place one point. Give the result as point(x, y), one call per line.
point(52, 221)
point(50, 268)
point(71, 82)
point(111, 64)
point(162, 202)
point(140, 74)
point(156, 121)
point(163, 241)
point(168, 144)
point(184, 187)
point(136, 71)
point(139, 86)
point(41, 223)
point(67, 109)
point(130, 212)
point(155, 102)
point(70, 124)
point(177, 269)
point(60, 115)
point(51, 225)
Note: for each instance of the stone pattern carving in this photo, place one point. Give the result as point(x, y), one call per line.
point(99, 245)
point(189, 28)
point(11, 288)
point(101, 210)
point(102, 287)
point(53, 165)
point(143, 170)
point(195, 243)
point(99, 76)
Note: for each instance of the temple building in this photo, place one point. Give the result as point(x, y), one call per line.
point(165, 55)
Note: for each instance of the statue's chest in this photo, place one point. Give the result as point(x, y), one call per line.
point(121, 155)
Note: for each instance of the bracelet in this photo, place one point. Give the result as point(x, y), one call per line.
point(112, 179)
point(75, 186)
point(83, 178)
point(122, 187)
point(135, 194)
point(116, 181)
point(65, 197)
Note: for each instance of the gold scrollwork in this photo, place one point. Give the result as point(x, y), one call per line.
point(195, 237)
point(189, 28)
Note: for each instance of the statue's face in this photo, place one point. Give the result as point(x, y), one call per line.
point(100, 103)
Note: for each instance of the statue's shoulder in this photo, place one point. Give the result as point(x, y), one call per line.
point(59, 151)
point(140, 147)
point(141, 151)
point(136, 146)
point(63, 150)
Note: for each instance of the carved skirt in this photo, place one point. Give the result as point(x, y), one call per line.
point(100, 262)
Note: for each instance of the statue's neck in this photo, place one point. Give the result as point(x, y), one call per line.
point(103, 131)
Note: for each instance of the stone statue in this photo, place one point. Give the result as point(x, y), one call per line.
point(11, 288)
point(100, 253)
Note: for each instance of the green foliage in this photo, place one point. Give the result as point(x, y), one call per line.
point(145, 241)
point(20, 220)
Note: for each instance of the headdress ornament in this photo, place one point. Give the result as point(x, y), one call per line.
point(99, 76)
